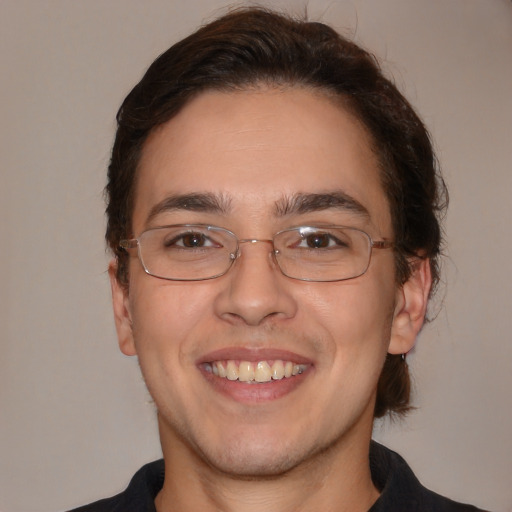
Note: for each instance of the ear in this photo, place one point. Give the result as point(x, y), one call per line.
point(410, 308)
point(122, 314)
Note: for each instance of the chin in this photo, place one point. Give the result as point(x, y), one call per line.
point(253, 466)
point(250, 459)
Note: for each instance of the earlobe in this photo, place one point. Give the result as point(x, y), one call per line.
point(122, 315)
point(410, 308)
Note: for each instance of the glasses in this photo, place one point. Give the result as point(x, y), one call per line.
point(196, 252)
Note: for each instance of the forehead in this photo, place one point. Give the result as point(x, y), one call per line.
point(257, 149)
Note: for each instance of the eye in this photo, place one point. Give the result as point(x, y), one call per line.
point(322, 240)
point(191, 240)
point(318, 240)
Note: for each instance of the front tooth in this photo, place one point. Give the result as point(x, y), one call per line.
point(288, 369)
point(246, 371)
point(278, 370)
point(231, 371)
point(262, 372)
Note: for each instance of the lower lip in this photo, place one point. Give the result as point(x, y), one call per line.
point(256, 392)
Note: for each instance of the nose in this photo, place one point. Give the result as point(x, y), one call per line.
point(256, 291)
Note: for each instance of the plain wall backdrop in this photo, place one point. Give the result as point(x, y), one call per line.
point(76, 421)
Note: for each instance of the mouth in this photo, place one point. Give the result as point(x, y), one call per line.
point(255, 375)
point(256, 372)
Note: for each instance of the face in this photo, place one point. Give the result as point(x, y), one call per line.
point(255, 151)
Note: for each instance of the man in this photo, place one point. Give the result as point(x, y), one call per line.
point(273, 208)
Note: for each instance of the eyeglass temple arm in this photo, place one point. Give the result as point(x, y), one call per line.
point(128, 244)
point(381, 244)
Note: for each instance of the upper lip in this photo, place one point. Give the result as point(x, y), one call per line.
point(253, 355)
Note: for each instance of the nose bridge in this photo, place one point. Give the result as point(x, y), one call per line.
point(253, 241)
point(256, 256)
point(256, 290)
point(256, 240)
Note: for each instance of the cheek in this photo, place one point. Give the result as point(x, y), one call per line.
point(166, 314)
point(168, 319)
point(356, 316)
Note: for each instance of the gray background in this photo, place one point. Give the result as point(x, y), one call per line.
point(76, 421)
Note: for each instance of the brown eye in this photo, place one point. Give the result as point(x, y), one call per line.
point(318, 240)
point(188, 240)
point(193, 240)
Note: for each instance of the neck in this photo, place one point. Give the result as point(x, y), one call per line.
point(338, 478)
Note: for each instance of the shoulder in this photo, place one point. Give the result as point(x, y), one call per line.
point(139, 496)
point(401, 490)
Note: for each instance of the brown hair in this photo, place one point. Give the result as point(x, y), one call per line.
point(253, 46)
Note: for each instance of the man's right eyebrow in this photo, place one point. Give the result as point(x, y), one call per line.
point(195, 202)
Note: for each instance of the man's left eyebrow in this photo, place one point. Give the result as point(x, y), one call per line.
point(195, 202)
point(312, 202)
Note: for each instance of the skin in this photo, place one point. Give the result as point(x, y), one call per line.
point(303, 447)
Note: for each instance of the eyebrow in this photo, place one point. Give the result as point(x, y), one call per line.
point(196, 202)
point(296, 204)
point(306, 203)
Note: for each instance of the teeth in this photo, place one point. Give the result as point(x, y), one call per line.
point(246, 371)
point(232, 371)
point(262, 371)
point(221, 369)
point(278, 370)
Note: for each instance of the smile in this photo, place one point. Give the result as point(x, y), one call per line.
point(248, 371)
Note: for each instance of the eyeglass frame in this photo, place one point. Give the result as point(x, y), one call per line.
point(134, 243)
